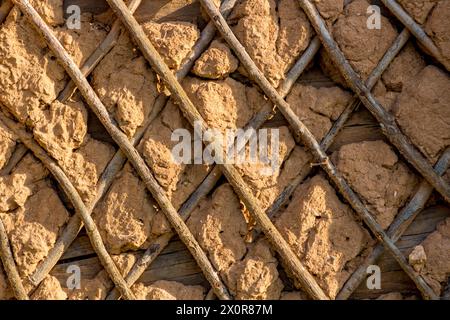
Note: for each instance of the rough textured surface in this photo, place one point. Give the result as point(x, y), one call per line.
point(173, 40)
point(7, 144)
point(168, 290)
point(32, 169)
point(29, 73)
point(30, 76)
point(49, 289)
point(98, 287)
point(323, 233)
point(384, 97)
point(273, 33)
point(223, 104)
point(362, 47)
point(374, 171)
point(329, 9)
point(34, 228)
point(215, 63)
point(84, 166)
point(256, 277)
point(219, 224)
point(418, 9)
point(50, 10)
point(276, 32)
point(13, 192)
point(438, 28)
point(417, 258)
point(434, 264)
point(126, 85)
point(61, 128)
point(318, 107)
point(20, 184)
point(91, 289)
point(406, 65)
point(124, 80)
point(205, 14)
point(268, 180)
point(125, 214)
point(179, 180)
point(81, 43)
point(62, 132)
point(422, 111)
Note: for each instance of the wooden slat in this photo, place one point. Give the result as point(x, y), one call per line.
point(175, 262)
point(391, 281)
point(393, 278)
point(156, 10)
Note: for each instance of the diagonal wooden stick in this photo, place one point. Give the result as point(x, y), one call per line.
point(387, 121)
point(110, 41)
point(327, 141)
point(94, 59)
point(17, 155)
point(303, 134)
point(193, 116)
point(117, 162)
point(75, 224)
point(397, 228)
point(9, 265)
point(415, 29)
point(390, 129)
point(213, 177)
point(28, 140)
point(5, 8)
point(121, 139)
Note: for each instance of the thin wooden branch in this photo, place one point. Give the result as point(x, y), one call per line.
point(72, 194)
point(213, 177)
point(9, 265)
point(160, 243)
point(327, 141)
point(111, 39)
point(300, 66)
point(117, 162)
point(303, 134)
point(5, 8)
point(387, 121)
point(100, 52)
point(391, 131)
point(17, 155)
point(75, 224)
point(192, 115)
point(415, 29)
point(397, 228)
point(121, 139)
point(208, 34)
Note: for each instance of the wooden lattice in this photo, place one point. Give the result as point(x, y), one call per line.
point(431, 176)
